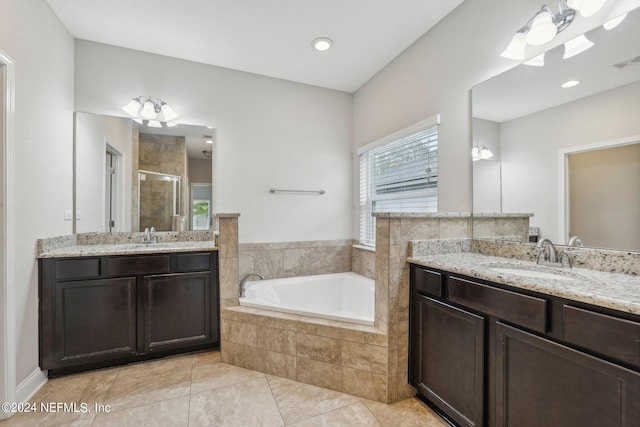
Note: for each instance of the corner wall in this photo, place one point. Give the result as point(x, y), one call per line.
point(43, 53)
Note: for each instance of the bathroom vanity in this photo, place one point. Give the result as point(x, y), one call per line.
point(489, 348)
point(103, 309)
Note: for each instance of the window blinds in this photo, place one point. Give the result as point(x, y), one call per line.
point(401, 176)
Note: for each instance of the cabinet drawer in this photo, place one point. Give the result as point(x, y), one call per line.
point(77, 268)
point(608, 335)
point(131, 265)
point(427, 282)
point(193, 262)
point(524, 310)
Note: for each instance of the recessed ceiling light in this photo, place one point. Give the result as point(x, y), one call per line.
point(322, 44)
point(208, 139)
point(570, 83)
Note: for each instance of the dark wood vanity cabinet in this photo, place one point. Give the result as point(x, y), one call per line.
point(540, 382)
point(486, 354)
point(101, 311)
point(449, 359)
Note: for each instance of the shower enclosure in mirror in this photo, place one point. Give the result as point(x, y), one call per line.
point(129, 177)
point(571, 156)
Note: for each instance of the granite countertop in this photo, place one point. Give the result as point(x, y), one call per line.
point(612, 290)
point(127, 249)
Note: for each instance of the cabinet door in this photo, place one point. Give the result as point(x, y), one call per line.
point(95, 320)
point(542, 383)
point(177, 310)
point(448, 360)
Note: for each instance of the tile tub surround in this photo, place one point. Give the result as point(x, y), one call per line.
point(611, 290)
point(512, 225)
point(363, 261)
point(339, 356)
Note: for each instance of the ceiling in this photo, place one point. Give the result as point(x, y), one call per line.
point(272, 38)
point(517, 92)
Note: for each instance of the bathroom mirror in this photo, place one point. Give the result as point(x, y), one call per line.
point(571, 156)
point(129, 177)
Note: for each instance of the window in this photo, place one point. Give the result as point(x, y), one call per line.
point(399, 173)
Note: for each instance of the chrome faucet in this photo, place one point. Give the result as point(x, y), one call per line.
point(243, 282)
point(575, 241)
point(149, 235)
point(553, 254)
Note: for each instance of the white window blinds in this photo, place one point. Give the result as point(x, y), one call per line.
point(400, 176)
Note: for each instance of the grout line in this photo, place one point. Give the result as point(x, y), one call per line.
point(274, 399)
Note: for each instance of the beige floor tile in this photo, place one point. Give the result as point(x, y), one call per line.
point(247, 404)
point(207, 377)
point(168, 413)
point(354, 415)
point(298, 401)
point(206, 358)
point(406, 413)
point(74, 390)
point(150, 382)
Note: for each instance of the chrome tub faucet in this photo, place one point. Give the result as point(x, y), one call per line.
point(243, 282)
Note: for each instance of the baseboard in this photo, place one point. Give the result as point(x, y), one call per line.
point(30, 385)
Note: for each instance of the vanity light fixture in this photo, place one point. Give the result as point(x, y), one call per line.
point(481, 152)
point(570, 83)
point(611, 24)
point(146, 108)
point(546, 24)
point(322, 44)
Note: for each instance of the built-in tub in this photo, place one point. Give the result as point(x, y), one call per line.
point(348, 297)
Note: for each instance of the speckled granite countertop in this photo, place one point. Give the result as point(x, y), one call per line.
point(616, 291)
point(127, 249)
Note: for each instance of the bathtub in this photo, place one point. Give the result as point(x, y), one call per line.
point(348, 297)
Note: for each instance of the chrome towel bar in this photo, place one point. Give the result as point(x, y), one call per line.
point(274, 190)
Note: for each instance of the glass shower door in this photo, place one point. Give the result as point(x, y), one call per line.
point(159, 200)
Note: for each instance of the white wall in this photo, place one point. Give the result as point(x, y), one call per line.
point(43, 53)
point(93, 133)
point(530, 148)
point(486, 173)
point(436, 74)
point(270, 133)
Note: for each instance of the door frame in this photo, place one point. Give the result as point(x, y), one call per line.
point(563, 178)
point(7, 280)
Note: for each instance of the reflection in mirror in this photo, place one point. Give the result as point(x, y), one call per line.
point(130, 177)
point(532, 125)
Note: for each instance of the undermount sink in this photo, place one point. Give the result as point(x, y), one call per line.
point(528, 272)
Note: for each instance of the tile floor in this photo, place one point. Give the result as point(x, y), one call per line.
point(199, 390)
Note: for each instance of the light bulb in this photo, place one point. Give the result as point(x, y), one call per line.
point(536, 61)
point(588, 8)
point(168, 112)
point(542, 29)
point(611, 24)
point(132, 107)
point(148, 110)
point(516, 47)
point(576, 45)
